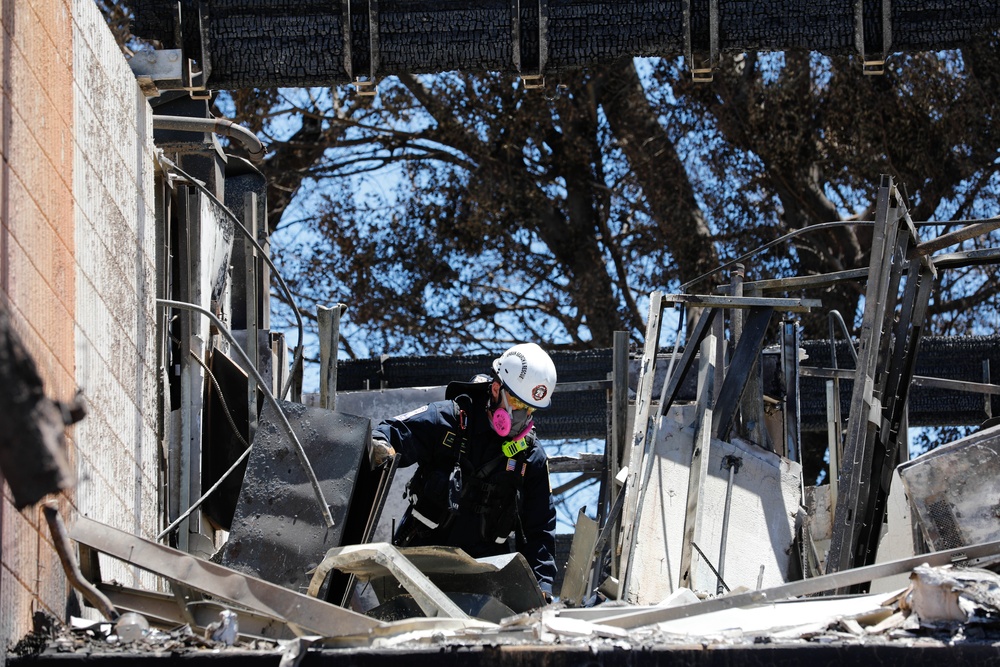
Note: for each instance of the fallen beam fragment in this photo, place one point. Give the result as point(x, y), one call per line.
point(297, 610)
point(62, 546)
point(623, 617)
point(746, 302)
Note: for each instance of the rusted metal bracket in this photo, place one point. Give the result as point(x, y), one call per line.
point(702, 64)
point(364, 87)
point(536, 79)
point(172, 69)
point(872, 64)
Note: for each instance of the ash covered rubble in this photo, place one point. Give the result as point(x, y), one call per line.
point(942, 606)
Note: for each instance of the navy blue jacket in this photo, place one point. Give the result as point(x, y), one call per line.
point(428, 437)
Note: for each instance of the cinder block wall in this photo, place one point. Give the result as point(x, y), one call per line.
point(115, 323)
point(77, 274)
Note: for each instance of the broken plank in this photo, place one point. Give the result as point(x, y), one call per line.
point(638, 617)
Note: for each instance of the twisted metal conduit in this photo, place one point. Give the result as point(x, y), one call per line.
point(297, 360)
point(251, 368)
point(227, 128)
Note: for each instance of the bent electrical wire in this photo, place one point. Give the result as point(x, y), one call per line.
point(243, 457)
point(978, 226)
point(771, 244)
point(297, 361)
point(250, 368)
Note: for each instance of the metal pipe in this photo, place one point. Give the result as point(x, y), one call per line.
point(833, 439)
point(243, 457)
point(733, 463)
point(297, 361)
point(227, 128)
point(65, 550)
point(957, 236)
point(250, 368)
point(834, 417)
point(771, 244)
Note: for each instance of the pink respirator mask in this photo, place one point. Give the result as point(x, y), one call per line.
point(505, 420)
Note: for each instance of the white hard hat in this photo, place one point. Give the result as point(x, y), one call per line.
point(528, 373)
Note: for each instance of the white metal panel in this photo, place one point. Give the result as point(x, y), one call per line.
point(765, 500)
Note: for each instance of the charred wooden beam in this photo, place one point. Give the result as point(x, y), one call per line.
point(252, 43)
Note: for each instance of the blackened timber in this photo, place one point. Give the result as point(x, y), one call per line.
point(747, 351)
point(287, 43)
point(582, 414)
point(701, 330)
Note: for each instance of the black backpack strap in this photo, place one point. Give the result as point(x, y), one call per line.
point(463, 407)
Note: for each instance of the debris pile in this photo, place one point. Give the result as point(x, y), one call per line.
point(942, 606)
point(133, 637)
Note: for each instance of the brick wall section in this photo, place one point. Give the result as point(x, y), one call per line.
point(77, 272)
point(37, 273)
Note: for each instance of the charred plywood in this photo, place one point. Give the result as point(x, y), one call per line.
point(763, 504)
point(278, 533)
point(955, 490)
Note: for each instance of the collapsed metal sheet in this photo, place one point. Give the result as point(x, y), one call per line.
point(955, 490)
point(251, 593)
point(278, 533)
point(506, 577)
point(763, 501)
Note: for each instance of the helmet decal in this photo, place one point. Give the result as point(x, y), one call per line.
point(527, 372)
point(524, 362)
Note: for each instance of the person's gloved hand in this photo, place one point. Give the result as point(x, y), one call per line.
point(380, 453)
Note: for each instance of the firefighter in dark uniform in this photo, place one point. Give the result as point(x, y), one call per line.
point(482, 481)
